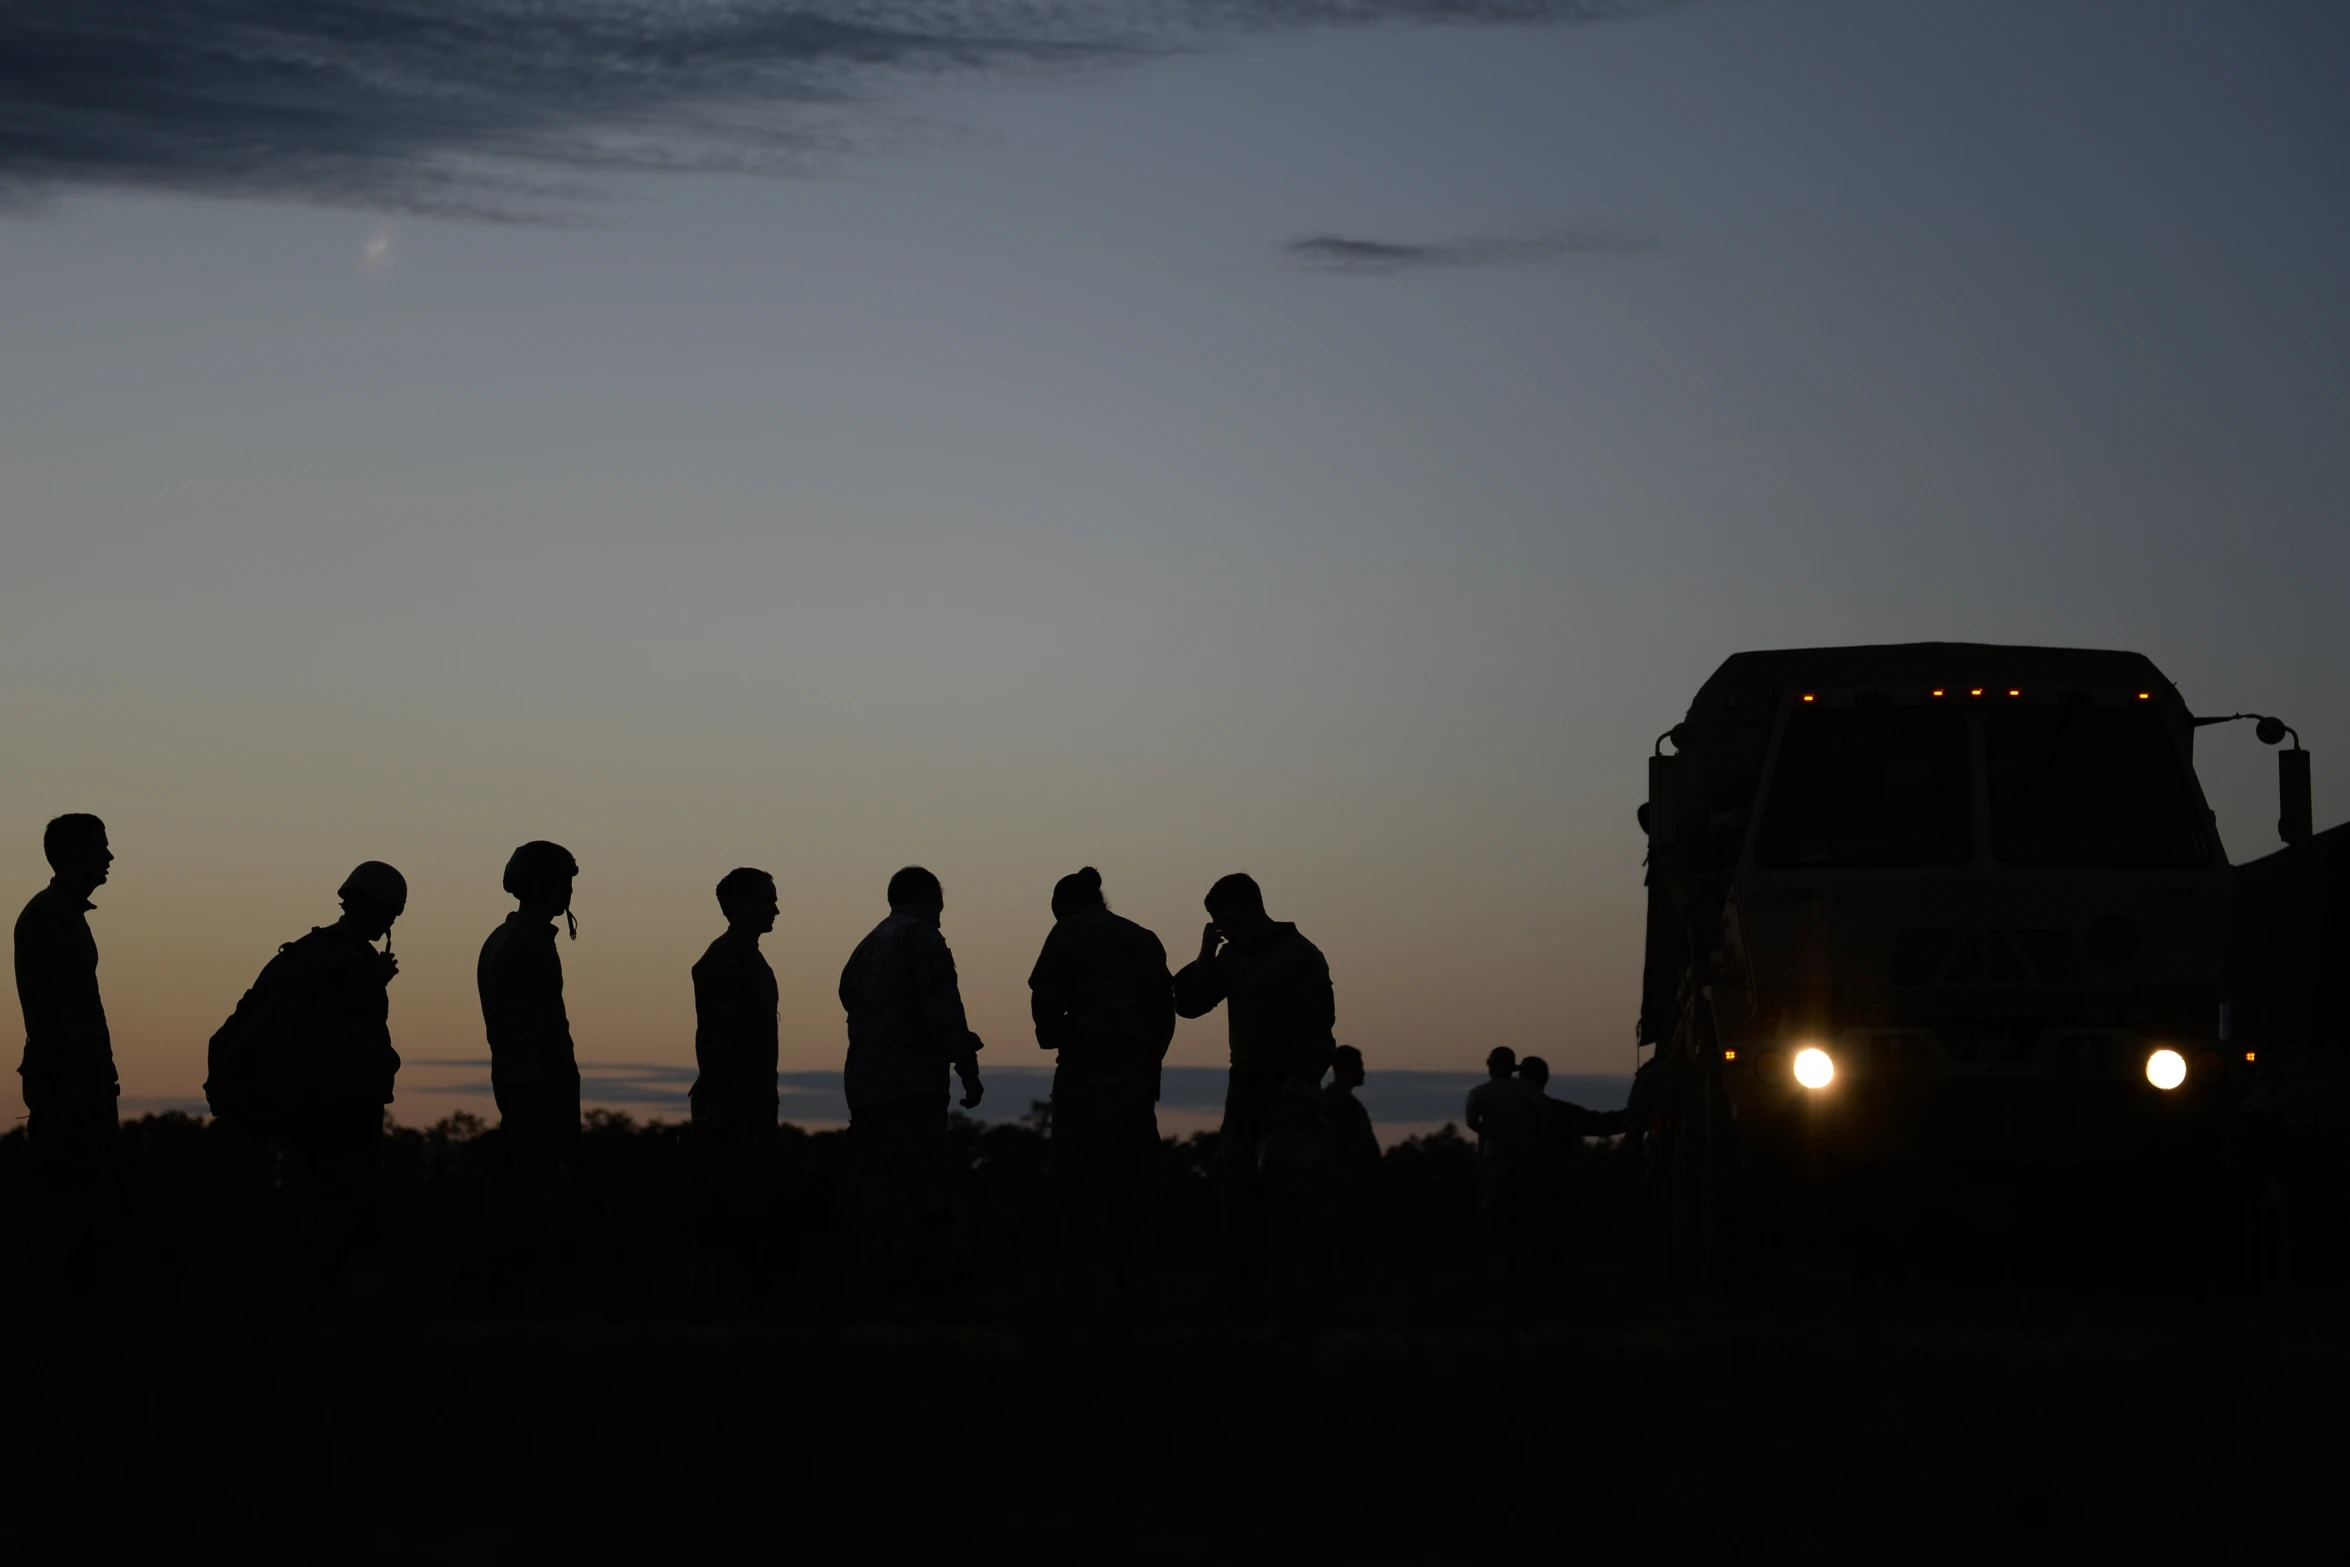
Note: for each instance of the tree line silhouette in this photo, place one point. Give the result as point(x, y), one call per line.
point(177, 1195)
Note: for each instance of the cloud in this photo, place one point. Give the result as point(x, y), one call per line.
point(1338, 253)
point(528, 109)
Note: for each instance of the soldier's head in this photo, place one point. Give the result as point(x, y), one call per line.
point(76, 846)
point(373, 896)
point(1535, 1070)
point(915, 891)
point(747, 898)
point(1079, 892)
point(1501, 1061)
point(1346, 1066)
point(1237, 904)
point(539, 877)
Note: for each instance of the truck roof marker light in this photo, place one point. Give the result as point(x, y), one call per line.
point(1729, 1055)
point(2014, 691)
point(1937, 691)
point(1976, 691)
point(2248, 1055)
point(2145, 696)
point(1808, 697)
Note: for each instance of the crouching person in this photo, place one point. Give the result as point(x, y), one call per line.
point(300, 1074)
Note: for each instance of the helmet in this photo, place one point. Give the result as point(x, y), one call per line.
point(378, 883)
point(539, 867)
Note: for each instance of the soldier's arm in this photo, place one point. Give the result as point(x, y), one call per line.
point(1318, 1031)
point(1199, 986)
point(1161, 997)
point(1580, 1122)
point(31, 979)
point(1048, 1002)
point(40, 959)
point(509, 1004)
point(718, 1013)
point(940, 997)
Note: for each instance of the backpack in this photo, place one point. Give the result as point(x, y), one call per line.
point(255, 1060)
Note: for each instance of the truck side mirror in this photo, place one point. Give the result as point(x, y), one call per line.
point(2295, 820)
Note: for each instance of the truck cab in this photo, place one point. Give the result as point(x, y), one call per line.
point(1930, 907)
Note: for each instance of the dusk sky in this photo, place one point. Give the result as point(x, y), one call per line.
point(1310, 438)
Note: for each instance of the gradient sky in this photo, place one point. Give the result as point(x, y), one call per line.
point(1249, 443)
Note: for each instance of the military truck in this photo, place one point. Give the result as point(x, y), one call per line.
point(1933, 923)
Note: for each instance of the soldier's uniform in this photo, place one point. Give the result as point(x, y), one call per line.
point(1274, 1147)
point(1101, 996)
point(533, 1072)
point(1564, 1126)
point(344, 1070)
point(734, 1098)
point(1506, 1114)
point(70, 1085)
point(906, 1030)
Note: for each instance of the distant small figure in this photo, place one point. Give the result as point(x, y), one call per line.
point(734, 1099)
point(70, 1085)
point(1505, 1112)
point(1101, 996)
point(1274, 1148)
point(534, 1071)
point(906, 1030)
point(303, 1069)
point(1354, 1147)
point(1565, 1124)
point(1353, 1141)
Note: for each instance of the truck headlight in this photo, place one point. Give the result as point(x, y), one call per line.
point(1815, 1070)
point(2166, 1069)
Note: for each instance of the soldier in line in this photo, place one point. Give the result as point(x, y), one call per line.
point(1274, 1148)
point(70, 1084)
point(1101, 996)
point(533, 1071)
point(906, 1030)
point(1354, 1149)
point(734, 1098)
point(301, 1072)
point(1565, 1124)
point(1505, 1112)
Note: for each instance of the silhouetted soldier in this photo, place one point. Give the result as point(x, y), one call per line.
point(305, 1065)
point(533, 1071)
point(1354, 1148)
point(1564, 1126)
point(1274, 1147)
point(70, 1084)
point(1506, 1114)
point(1101, 996)
point(906, 1029)
point(734, 1098)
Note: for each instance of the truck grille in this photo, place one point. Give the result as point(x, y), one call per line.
point(1926, 956)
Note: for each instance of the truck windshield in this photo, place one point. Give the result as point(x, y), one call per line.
point(2089, 786)
point(1859, 789)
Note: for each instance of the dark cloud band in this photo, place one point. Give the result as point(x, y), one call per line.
point(1338, 253)
point(523, 108)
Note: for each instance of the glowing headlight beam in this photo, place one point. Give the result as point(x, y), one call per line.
point(2166, 1069)
point(1814, 1069)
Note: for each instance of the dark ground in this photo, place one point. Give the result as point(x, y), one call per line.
point(226, 1404)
